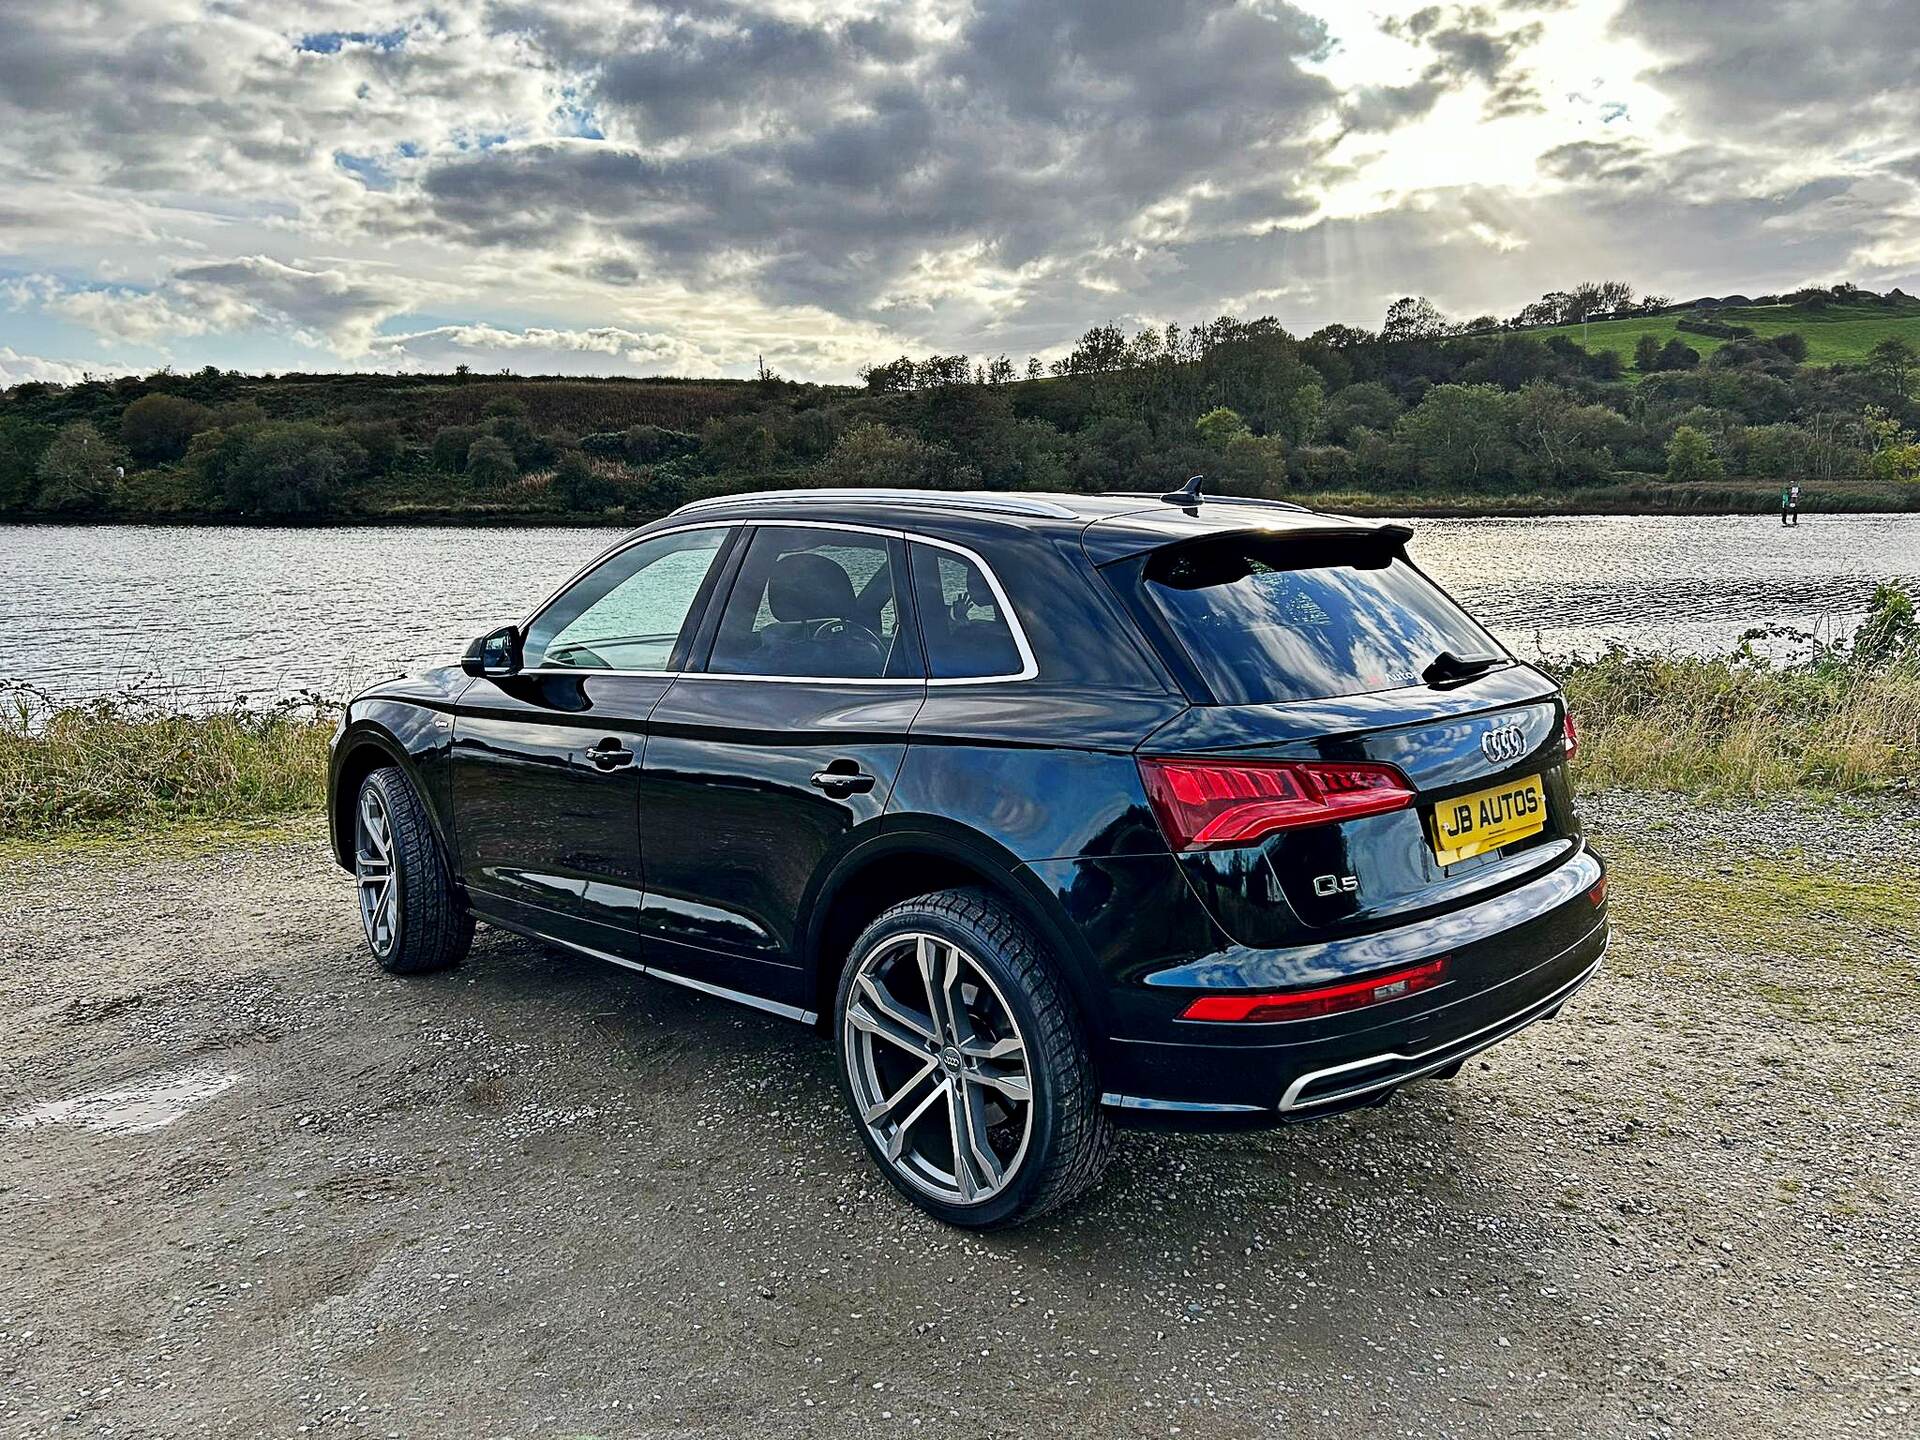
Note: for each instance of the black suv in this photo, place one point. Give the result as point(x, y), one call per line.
point(1054, 811)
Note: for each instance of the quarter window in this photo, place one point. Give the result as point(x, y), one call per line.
point(968, 634)
point(627, 612)
point(814, 603)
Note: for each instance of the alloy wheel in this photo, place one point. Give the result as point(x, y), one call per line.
point(939, 1068)
point(374, 869)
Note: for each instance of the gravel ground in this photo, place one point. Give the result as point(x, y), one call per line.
point(541, 1197)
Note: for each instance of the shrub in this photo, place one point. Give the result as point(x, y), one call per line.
point(873, 454)
point(158, 429)
point(1690, 457)
point(448, 453)
point(490, 461)
point(77, 470)
point(288, 468)
point(22, 443)
point(579, 485)
point(738, 442)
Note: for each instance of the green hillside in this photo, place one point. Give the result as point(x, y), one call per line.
point(1835, 334)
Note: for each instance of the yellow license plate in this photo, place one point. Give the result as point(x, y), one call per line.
point(1487, 819)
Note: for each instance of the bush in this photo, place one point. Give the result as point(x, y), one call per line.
point(579, 485)
point(77, 471)
point(448, 453)
point(490, 461)
point(738, 442)
point(157, 429)
point(288, 468)
point(1690, 457)
point(22, 443)
point(876, 455)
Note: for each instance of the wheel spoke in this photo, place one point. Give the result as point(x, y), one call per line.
point(881, 1109)
point(897, 1141)
point(939, 986)
point(976, 1168)
point(878, 1013)
point(1013, 1086)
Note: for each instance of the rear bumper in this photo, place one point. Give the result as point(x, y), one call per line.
point(1352, 1082)
point(1515, 959)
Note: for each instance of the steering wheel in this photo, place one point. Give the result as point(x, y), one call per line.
point(850, 641)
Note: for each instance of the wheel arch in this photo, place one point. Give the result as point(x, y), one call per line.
point(919, 859)
point(363, 749)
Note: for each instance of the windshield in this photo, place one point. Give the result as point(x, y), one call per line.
point(1267, 619)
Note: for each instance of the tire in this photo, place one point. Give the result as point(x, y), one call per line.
point(410, 914)
point(917, 1072)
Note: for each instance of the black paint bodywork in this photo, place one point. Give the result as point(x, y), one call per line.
point(714, 860)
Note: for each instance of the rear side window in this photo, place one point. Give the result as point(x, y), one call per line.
point(1305, 619)
point(814, 603)
point(963, 620)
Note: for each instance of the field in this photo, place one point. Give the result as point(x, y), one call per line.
point(1839, 334)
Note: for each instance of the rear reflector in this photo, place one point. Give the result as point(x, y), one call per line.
point(1569, 734)
point(1203, 804)
point(1373, 989)
point(1598, 894)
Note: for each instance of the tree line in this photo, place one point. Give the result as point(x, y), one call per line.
point(1420, 406)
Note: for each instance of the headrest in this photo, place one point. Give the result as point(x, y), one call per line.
point(809, 587)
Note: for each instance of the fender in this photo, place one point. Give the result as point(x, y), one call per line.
point(937, 838)
point(406, 735)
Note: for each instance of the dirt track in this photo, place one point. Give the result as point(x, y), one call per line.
point(538, 1196)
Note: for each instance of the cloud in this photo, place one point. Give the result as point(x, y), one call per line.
point(541, 350)
point(691, 184)
point(18, 369)
point(343, 309)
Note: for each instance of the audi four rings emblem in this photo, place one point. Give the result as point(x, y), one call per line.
point(1504, 744)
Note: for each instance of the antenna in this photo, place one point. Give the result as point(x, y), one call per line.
point(1188, 494)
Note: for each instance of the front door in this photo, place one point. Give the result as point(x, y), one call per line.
point(546, 762)
point(785, 737)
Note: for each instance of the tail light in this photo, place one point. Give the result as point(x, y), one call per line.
point(1314, 1000)
point(1205, 804)
point(1569, 734)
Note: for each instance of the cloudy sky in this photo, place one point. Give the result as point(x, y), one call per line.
point(599, 186)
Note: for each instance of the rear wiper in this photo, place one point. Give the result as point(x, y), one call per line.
point(1448, 668)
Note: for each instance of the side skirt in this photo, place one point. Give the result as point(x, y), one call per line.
point(739, 997)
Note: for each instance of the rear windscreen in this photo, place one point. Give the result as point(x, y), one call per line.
point(1303, 618)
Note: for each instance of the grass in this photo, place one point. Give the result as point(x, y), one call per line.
point(135, 762)
point(1741, 725)
point(1839, 334)
point(1847, 721)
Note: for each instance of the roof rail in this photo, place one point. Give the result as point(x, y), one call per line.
point(1210, 499)
point(926, 499)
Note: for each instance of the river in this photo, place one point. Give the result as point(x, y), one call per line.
point(203, 614)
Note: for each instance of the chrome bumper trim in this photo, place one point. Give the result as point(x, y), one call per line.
point(1425, 1062)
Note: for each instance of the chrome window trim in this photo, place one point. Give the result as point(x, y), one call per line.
point(1029, 667)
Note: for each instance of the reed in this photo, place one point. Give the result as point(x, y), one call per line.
point(139, 760)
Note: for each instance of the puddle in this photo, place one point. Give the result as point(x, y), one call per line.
point(131, 1111)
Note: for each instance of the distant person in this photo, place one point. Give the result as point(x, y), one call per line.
point(1789, 505)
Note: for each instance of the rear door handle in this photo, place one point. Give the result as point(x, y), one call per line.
point(610, 754)
point(843, 778)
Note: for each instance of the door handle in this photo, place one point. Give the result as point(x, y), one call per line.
point(843, 777)
point(610, 754)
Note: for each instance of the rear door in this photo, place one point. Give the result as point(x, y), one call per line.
point(1333, 648)
point(784, 738)
point(546, 763)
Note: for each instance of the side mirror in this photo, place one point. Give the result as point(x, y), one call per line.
point(496, 653)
